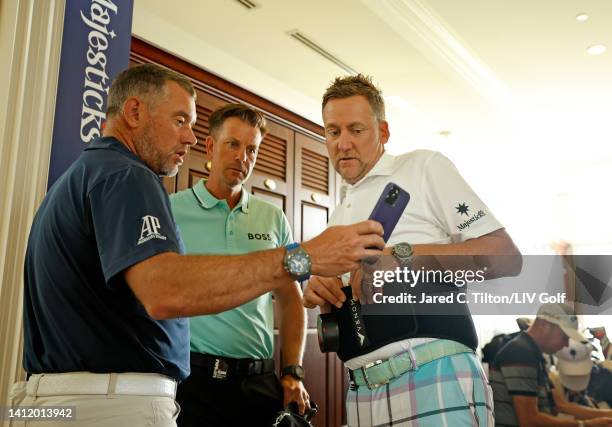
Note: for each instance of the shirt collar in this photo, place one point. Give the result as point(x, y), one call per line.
point(112, 143)
point(208, 201)
point(383, 167)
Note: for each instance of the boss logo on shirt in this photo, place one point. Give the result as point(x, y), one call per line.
point(258, 236)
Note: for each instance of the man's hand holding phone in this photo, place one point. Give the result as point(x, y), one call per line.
point(325, 291)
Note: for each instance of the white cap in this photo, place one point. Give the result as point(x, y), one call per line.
point(574, 364)
point(563, 316)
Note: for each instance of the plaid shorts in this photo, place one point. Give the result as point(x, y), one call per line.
point(451, 391)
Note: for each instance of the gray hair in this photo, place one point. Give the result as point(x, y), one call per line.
point(146, 81)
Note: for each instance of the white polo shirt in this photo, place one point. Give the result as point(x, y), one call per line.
point(442, 209)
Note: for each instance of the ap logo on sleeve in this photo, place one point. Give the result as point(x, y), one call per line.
point(150, 229)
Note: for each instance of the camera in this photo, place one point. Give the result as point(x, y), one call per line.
point(328, 332)
point(353, 325)
point(392, 195)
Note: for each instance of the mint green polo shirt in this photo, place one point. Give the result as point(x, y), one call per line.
point(207, 226)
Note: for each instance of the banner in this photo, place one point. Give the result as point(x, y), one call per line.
point(95, 48)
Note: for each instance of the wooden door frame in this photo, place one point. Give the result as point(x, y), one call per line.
point(215, 85)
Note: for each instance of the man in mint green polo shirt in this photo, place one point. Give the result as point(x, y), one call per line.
point(232, 378)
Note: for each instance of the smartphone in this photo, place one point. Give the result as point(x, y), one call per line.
point(389, 208)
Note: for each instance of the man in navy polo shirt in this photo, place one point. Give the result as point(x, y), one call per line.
point(106, 286)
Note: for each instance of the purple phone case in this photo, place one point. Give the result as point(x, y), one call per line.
point(388, 215)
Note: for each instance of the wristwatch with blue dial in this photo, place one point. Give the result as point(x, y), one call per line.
point(297, 262)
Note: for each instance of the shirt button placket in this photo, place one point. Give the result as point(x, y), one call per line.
point(230, 232)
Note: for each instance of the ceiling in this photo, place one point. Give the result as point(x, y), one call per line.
point(504, 88)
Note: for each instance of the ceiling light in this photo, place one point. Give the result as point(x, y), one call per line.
point(597, 49)
point(248, 4)
point(445, 133)
point(309, 43)
point(581, 17)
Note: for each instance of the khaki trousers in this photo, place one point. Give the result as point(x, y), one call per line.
point(98, 410)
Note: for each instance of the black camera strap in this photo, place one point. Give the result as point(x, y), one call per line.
point(358, 323)
point(358, 332)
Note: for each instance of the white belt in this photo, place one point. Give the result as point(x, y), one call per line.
point(139, 384)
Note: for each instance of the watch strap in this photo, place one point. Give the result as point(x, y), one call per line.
point(296, 371)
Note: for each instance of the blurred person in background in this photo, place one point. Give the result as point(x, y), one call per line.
point(519, 375)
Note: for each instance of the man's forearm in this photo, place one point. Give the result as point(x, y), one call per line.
point(546, 420)
point(292, 326)
point(495, 251)
point(190, 285)
point(172, 285)
point(583, 412)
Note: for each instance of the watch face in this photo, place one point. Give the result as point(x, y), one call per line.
point(298, 264)
point(402, 250)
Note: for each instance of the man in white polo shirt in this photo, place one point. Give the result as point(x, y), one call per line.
point(431, 376)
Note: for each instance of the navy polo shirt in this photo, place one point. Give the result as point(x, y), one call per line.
point(107, 212)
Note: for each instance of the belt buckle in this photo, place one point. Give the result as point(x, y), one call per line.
point(364, 370)
point(255, 367)
point(220, 369)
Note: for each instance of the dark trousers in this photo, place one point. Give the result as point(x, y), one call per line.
point(234, 401)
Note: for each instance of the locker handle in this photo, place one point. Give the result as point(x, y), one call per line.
point(270, 184)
